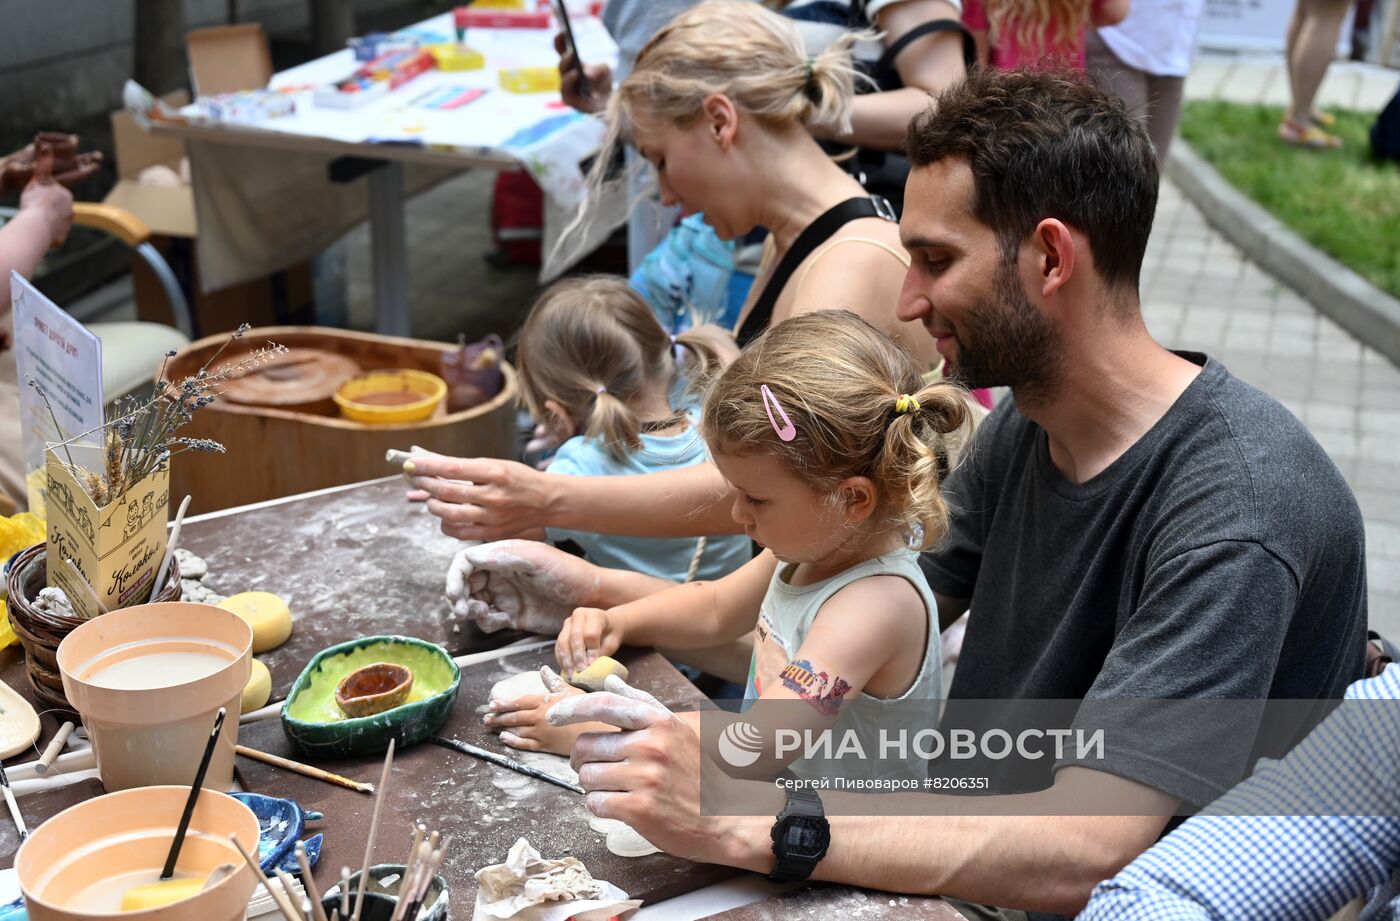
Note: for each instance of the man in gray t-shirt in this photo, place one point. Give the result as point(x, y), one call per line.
point(1220, 556)
point(1134, 523)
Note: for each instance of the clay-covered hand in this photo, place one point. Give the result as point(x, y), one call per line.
point(518, 585)
point(53, 156)
point(587, 634)
point(600, 81)
point(480, 498)
point(521, 720)
point(648, 775)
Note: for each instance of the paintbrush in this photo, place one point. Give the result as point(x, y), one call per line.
point(304, 769)
point(301, 906)
point(169, 550)
point(14, 806)
point(379, 797)
point(467, 748)
point(417, 860)
point(167, 888)
point(309, 881)
point(278, 895)
point(419, 830)
point(344, 894)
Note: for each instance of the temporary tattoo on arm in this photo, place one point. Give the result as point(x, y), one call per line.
point(824, 692)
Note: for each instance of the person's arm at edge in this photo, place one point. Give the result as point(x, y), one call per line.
point(1018, 859)
point(487, 499)
point(927, 66)
point(699, 615)
point(1109, 12)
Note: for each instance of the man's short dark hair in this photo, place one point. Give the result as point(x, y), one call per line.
point(1047, 145)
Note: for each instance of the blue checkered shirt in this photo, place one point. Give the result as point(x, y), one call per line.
point(1263, 850)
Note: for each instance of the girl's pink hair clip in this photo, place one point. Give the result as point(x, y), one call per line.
point(788, 431)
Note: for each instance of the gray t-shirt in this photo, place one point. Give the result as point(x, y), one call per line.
point(1221, 556)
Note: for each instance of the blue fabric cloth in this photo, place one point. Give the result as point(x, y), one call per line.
point(667, 558)
point(1300, 838)
point(686, 278)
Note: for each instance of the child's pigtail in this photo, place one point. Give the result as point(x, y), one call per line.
point(614, 425)
point(925, 434)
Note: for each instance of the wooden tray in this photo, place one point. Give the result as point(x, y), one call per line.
point(484, 807)
point(275, 452)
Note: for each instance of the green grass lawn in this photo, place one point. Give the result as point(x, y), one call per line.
point(1340, 201)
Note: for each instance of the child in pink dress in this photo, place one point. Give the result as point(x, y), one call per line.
point(1038, 33)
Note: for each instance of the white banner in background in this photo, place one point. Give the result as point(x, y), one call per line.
point(66, 359)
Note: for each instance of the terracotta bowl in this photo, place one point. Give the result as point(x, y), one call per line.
point(374, 689)
point(96, 845)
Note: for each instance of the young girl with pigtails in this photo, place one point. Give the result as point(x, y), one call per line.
point(614, 392)
point(836, 449)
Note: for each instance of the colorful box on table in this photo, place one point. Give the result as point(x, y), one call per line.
point(530, 79)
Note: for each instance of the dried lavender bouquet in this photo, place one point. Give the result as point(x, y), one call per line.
point(139, 435)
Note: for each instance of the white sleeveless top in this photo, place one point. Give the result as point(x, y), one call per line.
point(784, 620)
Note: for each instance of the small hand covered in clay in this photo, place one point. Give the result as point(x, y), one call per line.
point(480, 498)
point(586, 635)
point(522, 724)
point(518, 584)
point(647, 775)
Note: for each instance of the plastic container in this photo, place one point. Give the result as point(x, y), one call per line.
point(95, 850)
point(391, 397)
point(147, 681)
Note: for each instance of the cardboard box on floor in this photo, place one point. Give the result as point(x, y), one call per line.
point(228, 58)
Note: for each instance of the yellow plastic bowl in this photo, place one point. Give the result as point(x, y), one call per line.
point(355, 396)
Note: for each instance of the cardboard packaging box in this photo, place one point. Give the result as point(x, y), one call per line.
point(117, 547)
point(223, 59)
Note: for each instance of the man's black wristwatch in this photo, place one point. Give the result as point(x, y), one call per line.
point(800, 837)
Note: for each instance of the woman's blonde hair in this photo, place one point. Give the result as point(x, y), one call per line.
point(592, 345)
point(839, 381)
point(1047, 25)
point(737, 49)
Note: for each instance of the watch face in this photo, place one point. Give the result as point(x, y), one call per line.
point(805, 837)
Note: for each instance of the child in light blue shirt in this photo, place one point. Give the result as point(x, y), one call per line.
point(607, 384)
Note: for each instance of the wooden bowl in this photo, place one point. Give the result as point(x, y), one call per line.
point(374, 689)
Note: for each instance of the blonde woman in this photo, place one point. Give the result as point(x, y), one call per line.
point(721, 102)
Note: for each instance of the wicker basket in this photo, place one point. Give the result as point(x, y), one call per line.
point(40, 633)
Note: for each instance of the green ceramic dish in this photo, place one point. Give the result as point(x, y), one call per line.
point(317, 727)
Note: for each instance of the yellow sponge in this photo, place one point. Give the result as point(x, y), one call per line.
point(154, 895)
point(592, 677)
point(266, 613)
point(258, 690)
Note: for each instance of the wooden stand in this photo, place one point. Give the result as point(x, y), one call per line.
point(272, 453)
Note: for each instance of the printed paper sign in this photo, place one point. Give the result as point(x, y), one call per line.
point(66, 359)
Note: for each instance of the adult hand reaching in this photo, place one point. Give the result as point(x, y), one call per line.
point(480, 498)
point(519, 585)
point(600, 80)
point(647, 775)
